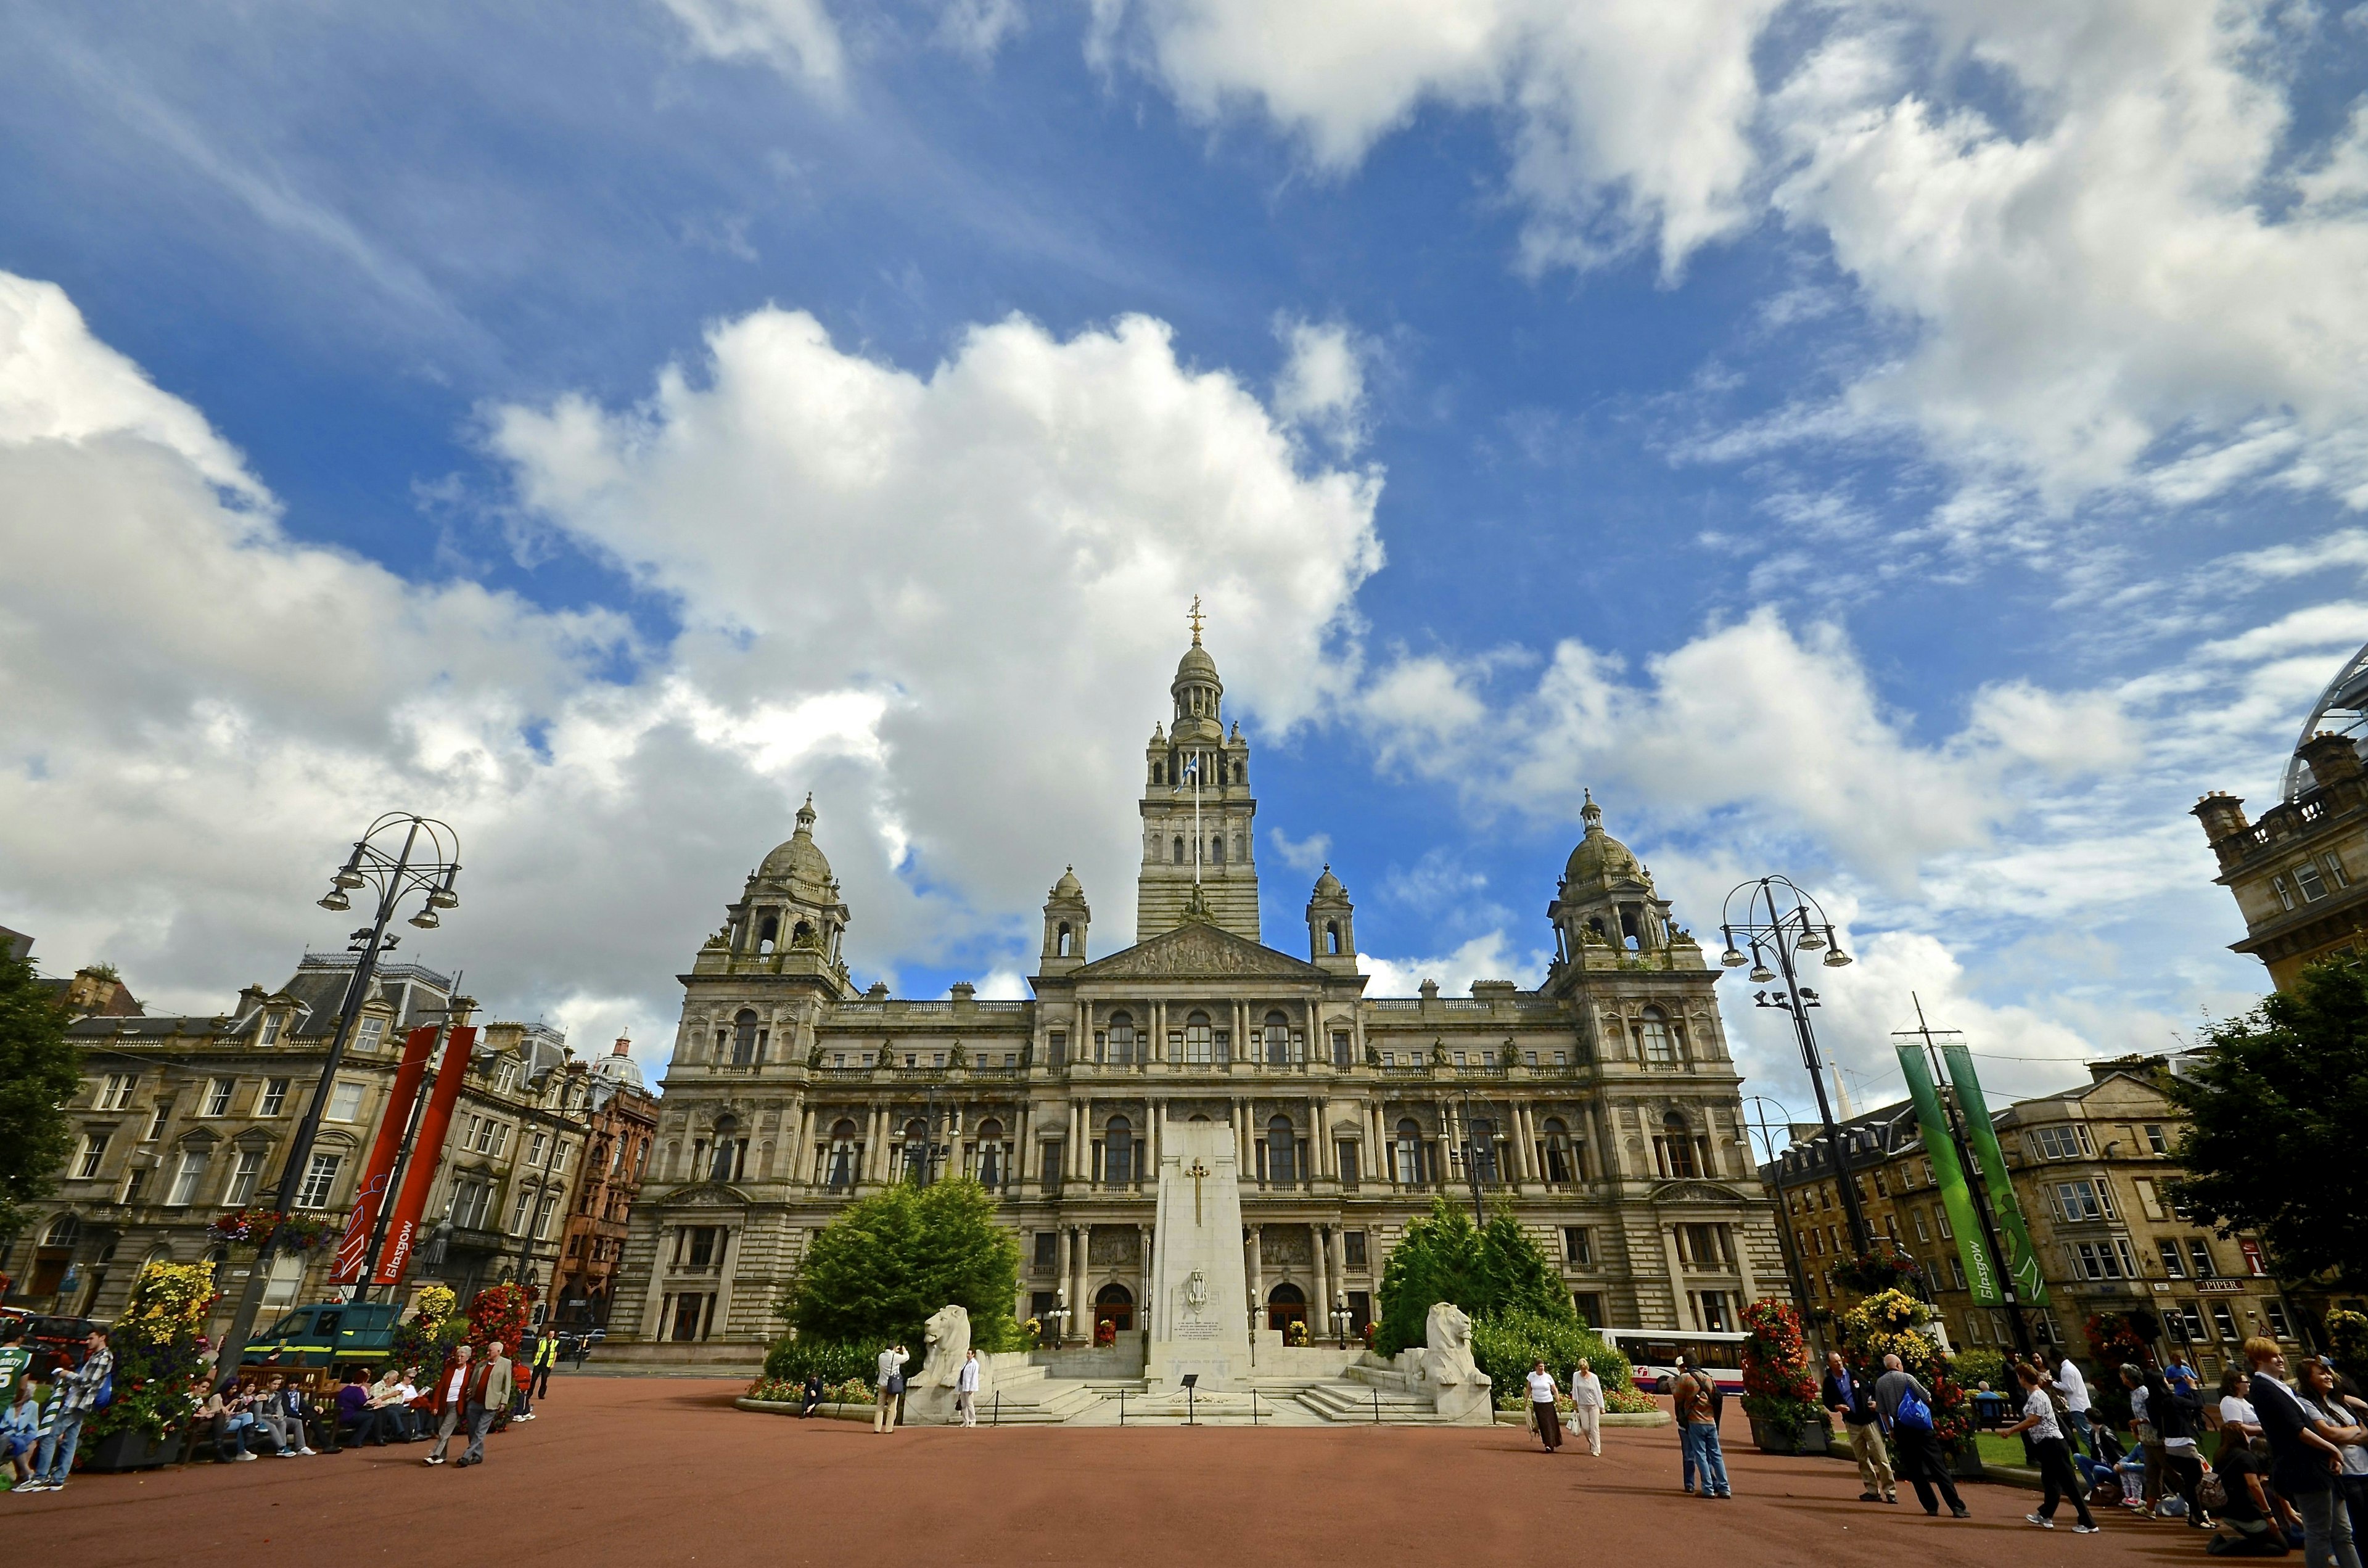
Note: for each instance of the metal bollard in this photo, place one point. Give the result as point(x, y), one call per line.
point(1377, 1405)
point(1121, 1407)
point(996, 1418)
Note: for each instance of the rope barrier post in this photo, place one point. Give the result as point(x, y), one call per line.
point(1377, 1404)
point(996, 1418)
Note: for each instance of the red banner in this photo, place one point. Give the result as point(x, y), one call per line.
point(427, 1153)
point(370, 1200)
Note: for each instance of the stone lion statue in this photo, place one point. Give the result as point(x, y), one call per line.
point(1455, 1380)
point(948, 1346)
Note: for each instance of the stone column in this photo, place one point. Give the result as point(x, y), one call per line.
point(1525, 1153)
point(1258, 1281)
point(1149, 1173)
point(1065, 1285)
point(1142, 1290)
point(1681, 1297)
point(1155, 1048)
point(1083, 1251)
point(1321, 1308)
point(720, 1321)
point(801, 1158)
point(1319, 1139)
point(1076, 1164)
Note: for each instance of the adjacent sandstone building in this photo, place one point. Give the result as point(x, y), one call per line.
point(1604, 1103)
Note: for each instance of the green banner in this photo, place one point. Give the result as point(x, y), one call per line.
point(1950, 1177)
point(2021, 1261)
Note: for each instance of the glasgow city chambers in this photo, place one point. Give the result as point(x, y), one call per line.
point(1603, 1104)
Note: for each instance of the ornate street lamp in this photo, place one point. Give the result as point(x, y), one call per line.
point(427, 869)
point(1794, 923)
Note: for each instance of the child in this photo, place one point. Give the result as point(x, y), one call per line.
point(22, 1427)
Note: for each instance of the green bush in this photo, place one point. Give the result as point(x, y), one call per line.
point(1977, 1366)
point(881, 1268)
point(790, 1360)
point(1442, 1258)
point(1508, 1344)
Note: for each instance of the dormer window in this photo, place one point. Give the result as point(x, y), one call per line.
point(373, 1032)
point(272, 1023)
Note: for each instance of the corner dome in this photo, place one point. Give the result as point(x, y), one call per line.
point(1196, 667)
point(1068, 886)
point(1599, 857)
point(618, 1068)
point(1327, 885)
point(800, 858)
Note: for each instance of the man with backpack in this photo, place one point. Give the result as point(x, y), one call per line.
point(1905, 1408)
point(1693, 1400)
point(83, 1391)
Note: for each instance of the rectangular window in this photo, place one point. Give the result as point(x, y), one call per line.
point(2199, 1254)
point(1921, 1234)
point(1561, 1060)
point(244, 1175)
point(94, 1150)
point(1574, 1248)
point(2276, 1312)
point(2149, 1198)
point(1048, 1250)
point(135, 1180)
point(1941, 1217)
point(1057, 1047)
point(272, 1023)
point(218, 1095)
point(1880, 1189)
point(1340, 1049)
point(2078, 1201)
point(518, 1210)
point(2057, 1142)
point(2157, 1141)
point(2190, 1322)
point(115, 1093)
point(2333, 864)
point(1050, 1165)
point(2174, 1267)
point(159, 1120)
point(2129, 1258)
point(1352, 1248)
point(2312, 885)
point(1590, 1306)
point(191, 1171)
point(345, 1100)
point(2223, 1320)
point(371, 1032)
point(2255, 1264)
point(542, 1212)
point(534, 1148)
point(1531, 1057)
point(320, 1180)
point(275, 1097)
point(1345, 1151)
point(1957, 1270)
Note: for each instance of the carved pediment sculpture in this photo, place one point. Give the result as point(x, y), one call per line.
point(1196, 949)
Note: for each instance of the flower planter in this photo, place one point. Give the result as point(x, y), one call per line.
point(1772, 1438)
point(131, 1450)
point(1965, 1461)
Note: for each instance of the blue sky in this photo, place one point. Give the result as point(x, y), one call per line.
point(1917, 447)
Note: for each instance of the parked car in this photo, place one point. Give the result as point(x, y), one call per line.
point(56, 1341)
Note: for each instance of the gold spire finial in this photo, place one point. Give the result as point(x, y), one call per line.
point(1196, 617)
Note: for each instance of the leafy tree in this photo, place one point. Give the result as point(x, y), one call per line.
point(39, 1070)
point(2280, 1091)
point(877, 1271)
point(1443, 1258)
point(1506, 1344)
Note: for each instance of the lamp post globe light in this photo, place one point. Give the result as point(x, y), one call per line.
point(1778, 921)
point(400, 854)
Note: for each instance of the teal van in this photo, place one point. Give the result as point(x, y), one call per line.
point(327, 1334)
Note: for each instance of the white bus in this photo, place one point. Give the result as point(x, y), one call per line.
point(1653, 1353)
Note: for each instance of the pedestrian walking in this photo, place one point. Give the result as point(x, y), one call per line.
point(1905, 1408)
point(82, 1392)
point(966, 1390)
point(1587, 1407)
point(814, 1395)
point(2075, 1390)
point(1543, 1394)
point(529, 1345)
point(488, 1394)
point(892, 1388)
point(1851, 1399)
point(2057, 1479)
point(2305, 1456)
point(1694, 1401)
point(545, 1357)
point(451, 1384)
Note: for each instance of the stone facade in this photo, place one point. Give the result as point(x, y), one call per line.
point(2091, 1169)
point(621, 1134)
point(179, 1119)
point(1604, 1103)
point(2297, 873)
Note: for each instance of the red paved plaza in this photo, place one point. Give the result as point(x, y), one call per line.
point(629, 1470)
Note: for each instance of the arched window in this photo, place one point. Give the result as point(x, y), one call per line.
point(1660, 1049)
point(801, 935)
point(917, 1151)
point(1555, 1139)
point(1121, 1039)
point(1241, 773)
point(1483, 1149)
point(1285, 1305)
point(159, 1253)
point(1158, 773)
point(1199, 1038)
point(843, 1152)
point(768, 931)
point(1277, 1040)
point(1179, 849)
point(990, 1153)
point(62, 1232)
point(1117, 1152)
point(1332, 936)
point(1062, 946)
point(1677, 1147)
point(744, 1039)
point(731, 1152)
point(1114, 1305)
point(1282, 1153)
point(1408, 1152)
point(1217, 849)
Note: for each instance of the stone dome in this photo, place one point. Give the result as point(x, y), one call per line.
point(1328, 886)
point(800, 858)
point(1600, 858)
point(1068, 886)
point(1196, 666)
point(618, 1068)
